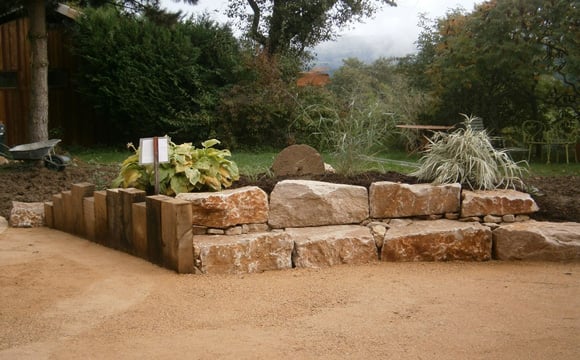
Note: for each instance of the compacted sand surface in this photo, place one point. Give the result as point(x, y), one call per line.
point(62, 297)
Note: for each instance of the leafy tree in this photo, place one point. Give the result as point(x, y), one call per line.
point(281, 26)
point(506, 61)
point(151, 80)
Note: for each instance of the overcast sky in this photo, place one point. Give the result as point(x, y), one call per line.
point(391, 33)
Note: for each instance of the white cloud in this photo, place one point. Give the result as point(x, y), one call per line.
point(392, 32)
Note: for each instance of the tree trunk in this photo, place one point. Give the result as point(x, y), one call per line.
point(37, 35)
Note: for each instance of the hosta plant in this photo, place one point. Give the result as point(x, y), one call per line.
point(189, 169)
point(466, 156)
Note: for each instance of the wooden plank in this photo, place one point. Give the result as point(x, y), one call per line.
point(139, 227)
point(49, 214)
point(154, 237)
point(68, 211)
point(58, 212)
point(128, 197)
point(114, 218)
point(89, 218)
point(101, 223)
point(177, 235)
point(80, 191)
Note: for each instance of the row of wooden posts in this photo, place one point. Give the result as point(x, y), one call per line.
point(157, 228)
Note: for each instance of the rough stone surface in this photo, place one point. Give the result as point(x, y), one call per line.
point(298, 160)
point(496, 202)
point(332, 245)
point(248, 253)
point(395, 200)
point(228, 208)
point(535, 240)
point(439, 240)
point(26, 215)
point(299, 203)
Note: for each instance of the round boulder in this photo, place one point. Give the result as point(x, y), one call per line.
point(297, 160)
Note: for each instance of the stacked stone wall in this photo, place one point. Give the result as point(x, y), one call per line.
point(309, 224)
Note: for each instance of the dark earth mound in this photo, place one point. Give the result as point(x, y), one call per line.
point(557, 197)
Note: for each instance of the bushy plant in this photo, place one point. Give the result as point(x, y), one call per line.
point(467, 157)
point(189, 169)
point(148, 79)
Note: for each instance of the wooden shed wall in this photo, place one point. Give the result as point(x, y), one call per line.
point(69, 119)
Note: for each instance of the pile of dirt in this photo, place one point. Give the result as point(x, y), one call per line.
point(557, 197)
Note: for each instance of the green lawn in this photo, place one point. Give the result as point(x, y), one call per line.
point(252, 163)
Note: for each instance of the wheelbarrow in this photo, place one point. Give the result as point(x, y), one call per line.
point(42, 150)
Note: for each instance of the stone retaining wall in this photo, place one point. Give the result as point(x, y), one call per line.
point(305, 224)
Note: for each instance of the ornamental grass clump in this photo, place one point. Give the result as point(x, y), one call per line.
point(189, 169)
point(466, 156)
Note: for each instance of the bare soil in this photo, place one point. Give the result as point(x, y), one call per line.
point(557, 197)
point(62, 297)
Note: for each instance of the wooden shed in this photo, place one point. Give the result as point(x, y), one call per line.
point(69, 119)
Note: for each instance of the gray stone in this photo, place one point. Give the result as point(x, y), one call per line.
point(26, 215)
point(228, 208)
point(492, 219)
point(298, 160)
point(438, 240)
point(395, 200)
point(496, 202)
point(3, 224)
point(332, 245)
point(300, 203)
point(535, 240)
point(247, 253)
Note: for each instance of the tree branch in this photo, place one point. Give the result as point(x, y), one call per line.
point(254, 30)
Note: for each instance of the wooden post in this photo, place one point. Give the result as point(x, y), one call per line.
point(128, 197)
point(154, 239)
point(89, 218)
point(101, 223)
point(58, 211)
point(49, 214)
point(114, 218)
point(79, 192)
point(67, 221)
point(139, 226)
point(177, 235)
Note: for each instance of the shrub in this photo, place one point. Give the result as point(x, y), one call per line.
point(189, 169)
point(467, 156)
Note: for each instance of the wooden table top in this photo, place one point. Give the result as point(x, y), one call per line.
point(425, 127)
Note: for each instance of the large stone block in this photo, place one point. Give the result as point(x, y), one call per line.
point(332, 245)
point(246, 205)
point(496, 202)
point(439, 240)
point(535, 240)
point(26, 215)
point(300, 203)
point(394, 200)
point(248, 253)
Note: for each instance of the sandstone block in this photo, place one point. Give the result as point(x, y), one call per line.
point(300, 203)
point(535, 240)
point(228, 208)
point(298, 160)
point(496, 202)
point(27, 215)
point(332, 245)
point(439, 240)
point(247, 253)
point(394, 200)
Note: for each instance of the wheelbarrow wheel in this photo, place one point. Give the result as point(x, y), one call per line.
point(54, 162)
